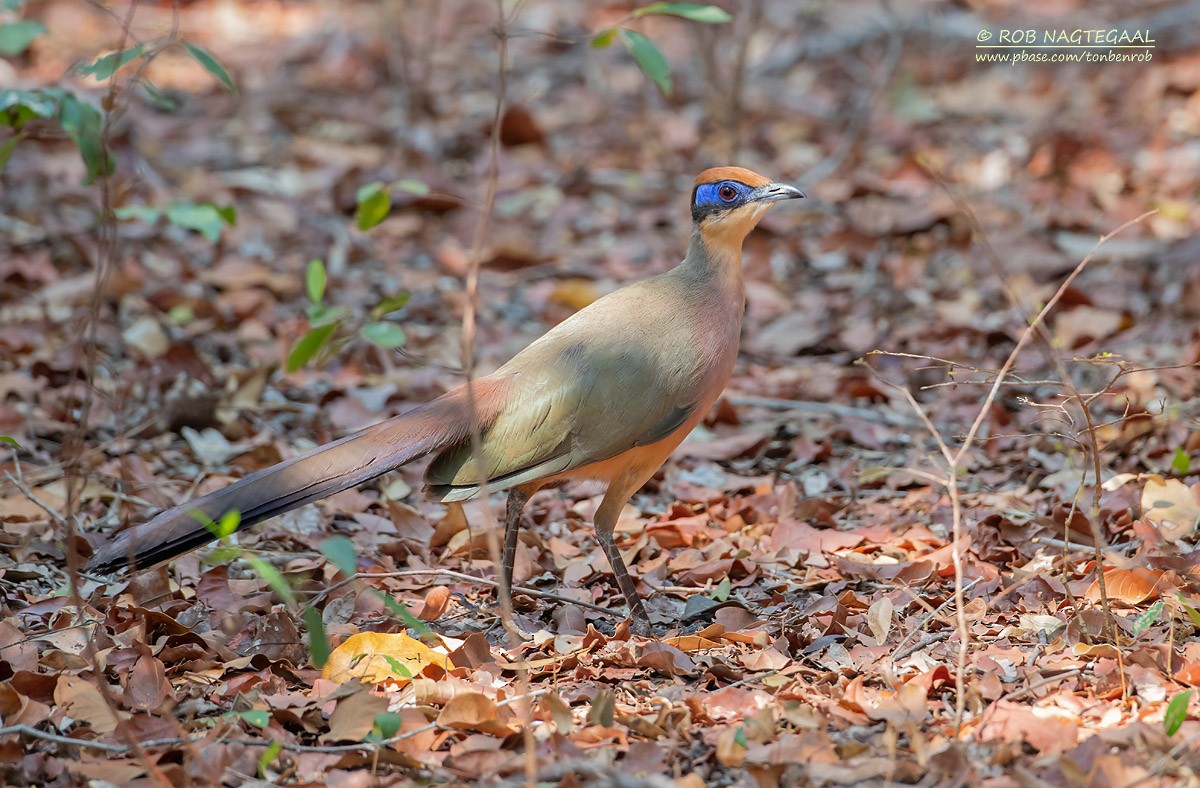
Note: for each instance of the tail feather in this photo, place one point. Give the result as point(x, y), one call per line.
point(317, 474)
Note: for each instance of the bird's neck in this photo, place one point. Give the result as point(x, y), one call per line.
point(714, 265)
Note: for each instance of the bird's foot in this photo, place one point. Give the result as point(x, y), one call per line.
point(640, 626)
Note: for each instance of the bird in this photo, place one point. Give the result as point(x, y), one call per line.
point(606, 395)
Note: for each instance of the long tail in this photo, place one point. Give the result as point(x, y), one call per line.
point(322, 472)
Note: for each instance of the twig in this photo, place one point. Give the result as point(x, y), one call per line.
point(20, 485)
point(1052, 542)
point(928, 640)
point(1038, 327)
point(120, 749)
point(824, 408)
point(470, 312)
point(467, 578)
point(929, 615)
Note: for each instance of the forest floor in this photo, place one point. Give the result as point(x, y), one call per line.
point(797, 552)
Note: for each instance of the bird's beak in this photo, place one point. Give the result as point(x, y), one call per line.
point(774, 192)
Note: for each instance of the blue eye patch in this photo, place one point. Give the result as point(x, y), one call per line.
point(710, 198)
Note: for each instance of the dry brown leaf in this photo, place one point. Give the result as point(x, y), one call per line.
point(473, 711)
point(691, 643)
point(879, 618)
point(731, 747)
point(354, 716)
point(80, 700)
point(1129, 586)
point(436, 600)
point(909, 704)
point(1172, 506)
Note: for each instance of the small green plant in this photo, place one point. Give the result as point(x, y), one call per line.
point(82, 122)
point(15, 37)
point(1143, 622)
point(341, 553)
point(205, 218)
point(328, 332)
point(375, 200)
point(1177, 711)
point(318, 641)
point(644, 52)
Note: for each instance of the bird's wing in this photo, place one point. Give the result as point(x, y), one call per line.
point(577, 404)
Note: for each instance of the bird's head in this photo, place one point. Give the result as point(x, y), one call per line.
point(727, 203)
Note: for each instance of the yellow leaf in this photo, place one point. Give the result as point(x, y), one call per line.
point(365, 657)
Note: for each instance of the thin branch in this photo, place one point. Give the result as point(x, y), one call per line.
point(469, 579)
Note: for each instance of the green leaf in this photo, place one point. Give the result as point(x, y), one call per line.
point(318, 641)
point(1177, 711)
point(10, 440)
point(205, 218)
point(383, 334)
point(18, 106)
point(374, 202)
point(211, 65)
point(226, 525)
point(412, 186)
point(739, 738)
point(181, 314)
point(398, 667)
point(367, 189)
point(391, 304)
point(83, 124)
point(1192, 612)
point(402, 612)
point(259, 718)
point(228, 213)
point(314, 281)
point(267, 758)
point(1143, 622)
point(604, 39)
point(104, 67)
point(1181, 463)
point(723, 589)
point(164, 102)
point(341, 553)
point(696, 12)
point(273, 579)
point(10, 145)
point(309, 345)
point(16, 37)
point(229, 522)
point(649, 59)
point(387, 724)
point(143, 213)
point(322, 314)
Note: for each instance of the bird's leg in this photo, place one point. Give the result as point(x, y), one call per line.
point(517, 498)
point(606, 521)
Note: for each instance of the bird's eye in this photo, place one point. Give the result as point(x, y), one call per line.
point(727, 193)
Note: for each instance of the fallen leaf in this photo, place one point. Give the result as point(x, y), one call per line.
point(473, 711)
point(80, 700)
point(354, 716)
point(1171, 505)
point(374, 657)
point(1129, 586)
